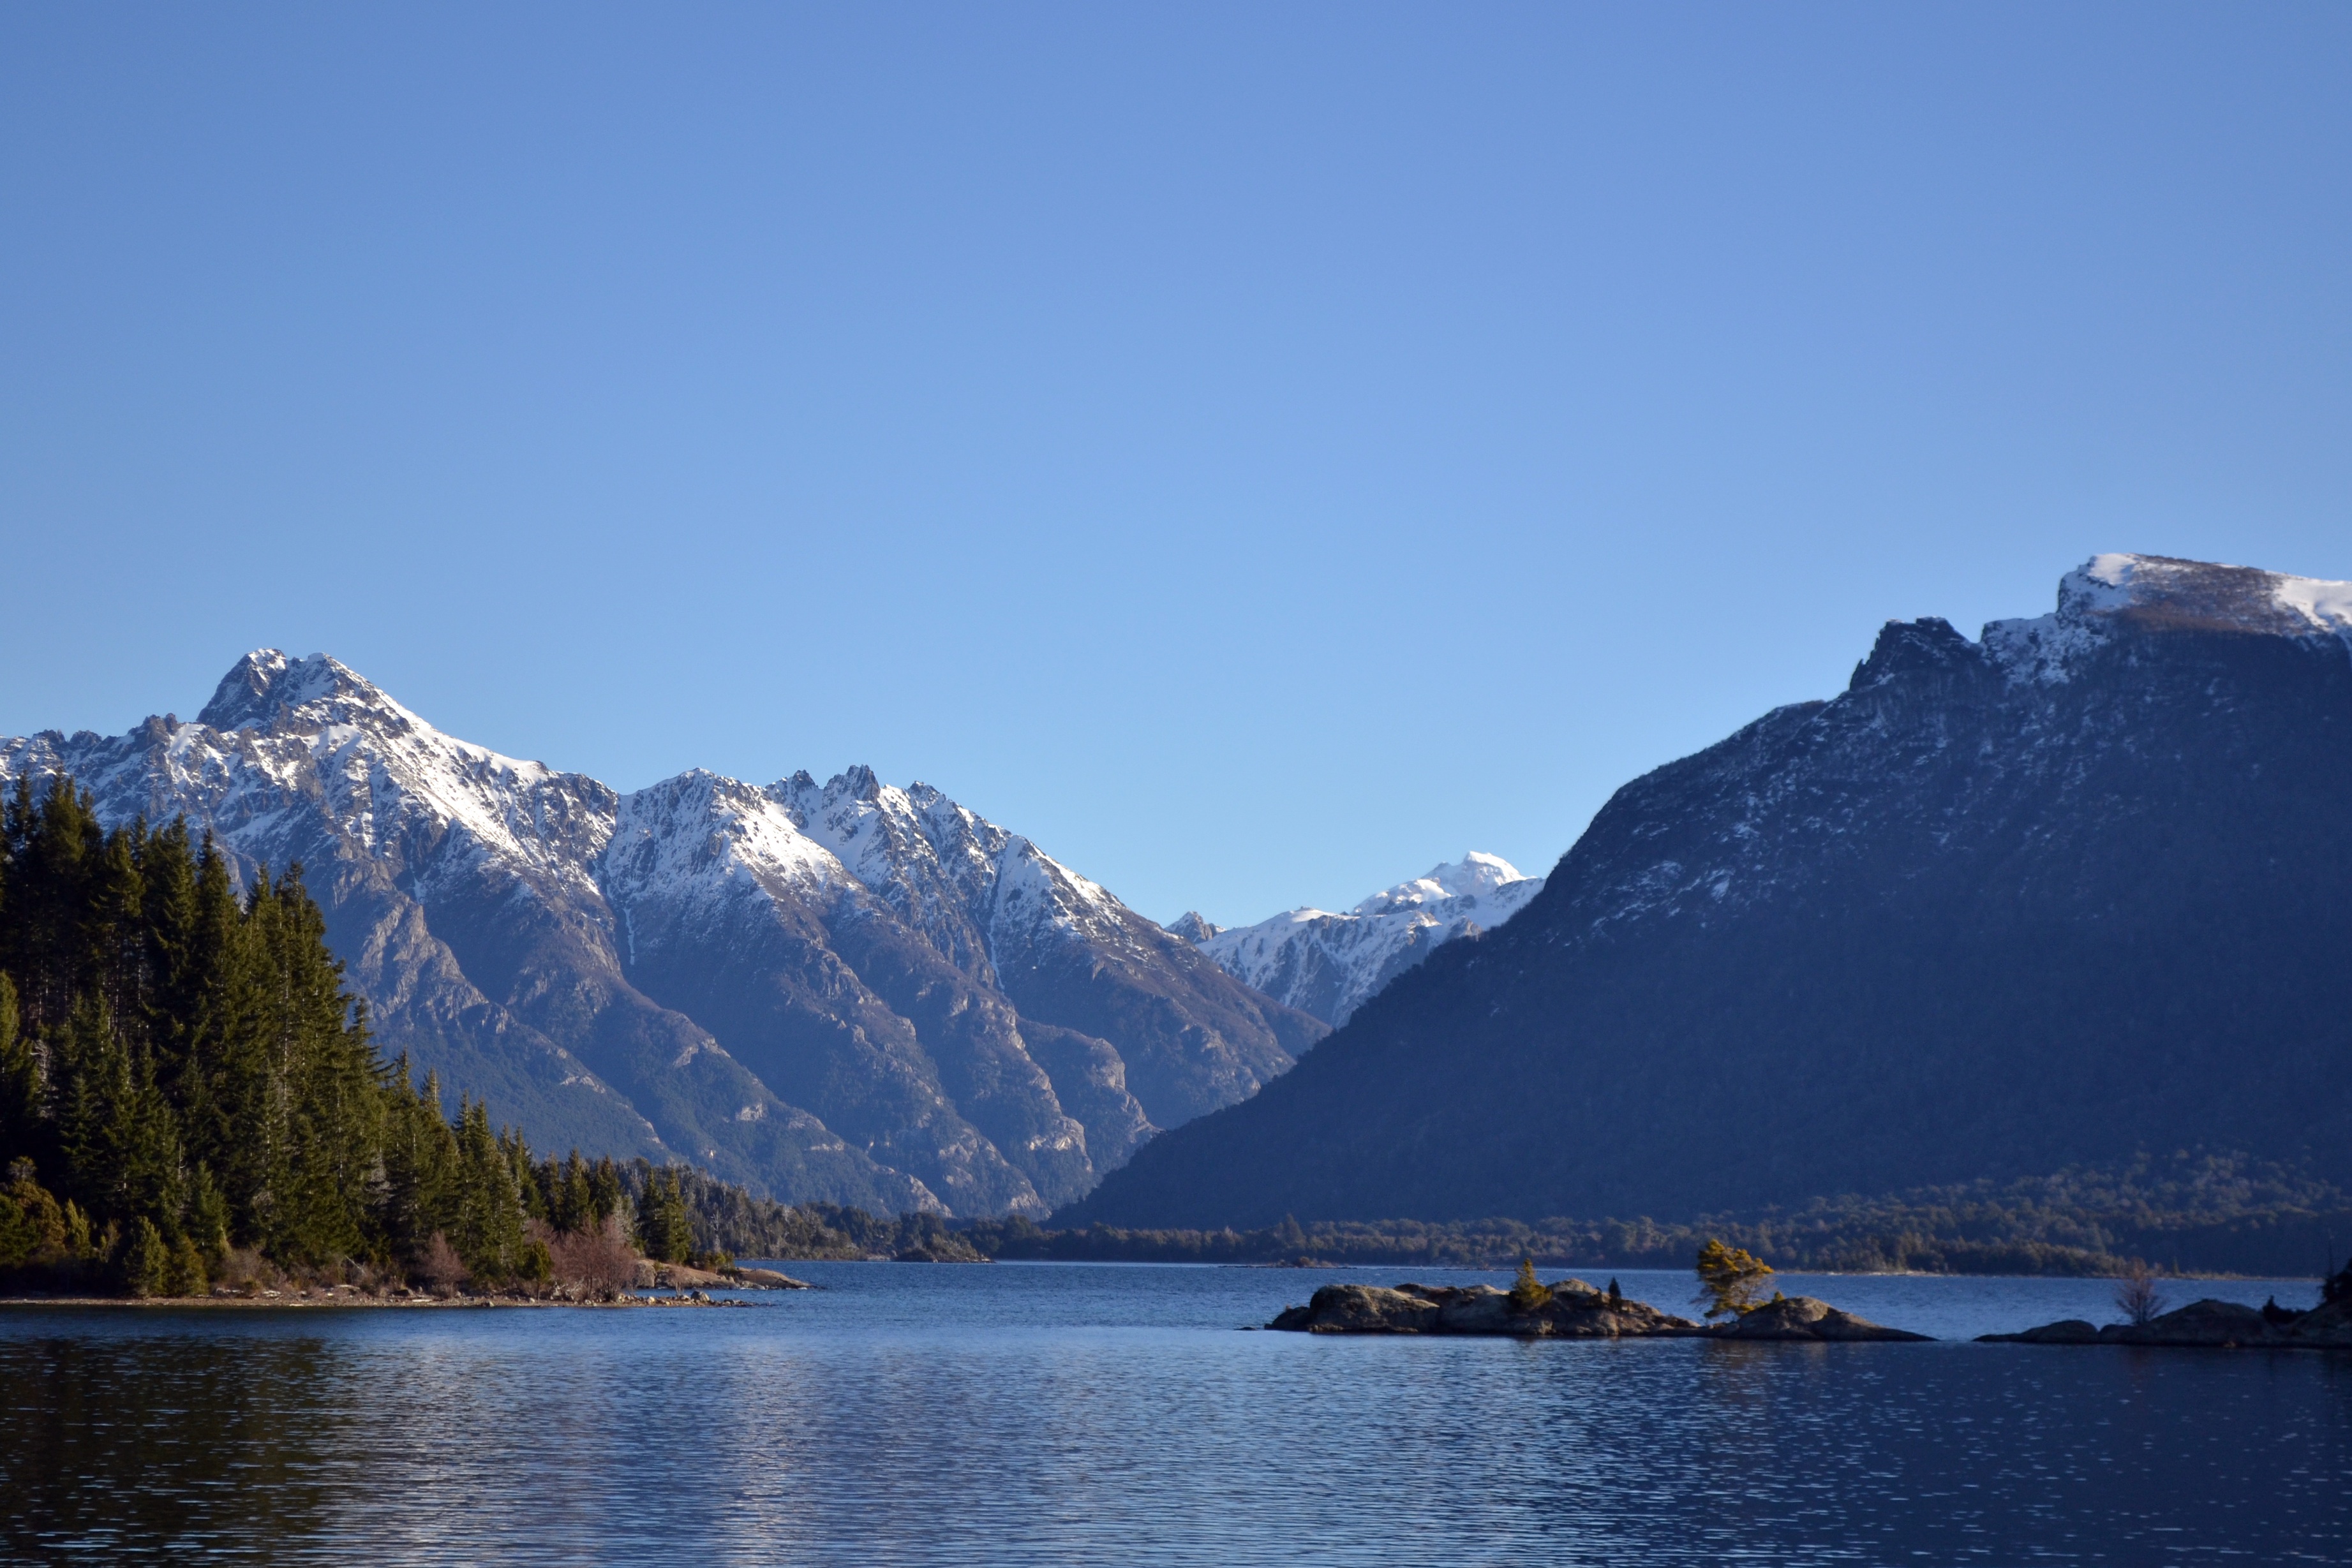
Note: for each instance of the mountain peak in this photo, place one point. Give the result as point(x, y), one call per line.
point(266, 683)
point(2159, 594)
point(2165, 593)
point(1328, 964)
point(1193, 926)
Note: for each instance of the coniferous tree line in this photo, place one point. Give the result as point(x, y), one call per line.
point(188, 1091)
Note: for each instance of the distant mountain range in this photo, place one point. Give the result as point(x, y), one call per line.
point(1328, 965)
point(2066, 893)
point(842, 991)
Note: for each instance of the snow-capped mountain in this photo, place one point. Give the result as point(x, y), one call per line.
point(848, 991)
point(1328, 965)
point(2054, 897)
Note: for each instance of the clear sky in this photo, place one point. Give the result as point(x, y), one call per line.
point(1255, 450)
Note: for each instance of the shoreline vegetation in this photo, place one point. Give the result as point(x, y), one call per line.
point(2192, 1214)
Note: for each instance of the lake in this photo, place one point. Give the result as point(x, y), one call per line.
point(1113, 1414)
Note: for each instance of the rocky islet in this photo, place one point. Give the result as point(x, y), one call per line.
point(1575, 1309)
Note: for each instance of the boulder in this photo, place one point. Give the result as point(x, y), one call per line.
point(747, 1279)
point(2206, 1322)
point(1805, 1318)
point(1360, 1309)
point(2066, 1330)
point(2327, 1327)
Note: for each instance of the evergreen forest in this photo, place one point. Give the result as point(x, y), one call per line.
point(189, 1098)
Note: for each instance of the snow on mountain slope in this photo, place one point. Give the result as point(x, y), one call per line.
point(579, 956)
point(2112, 593)
point(460, 892)
point(1141, 1029)
point(1330, 964)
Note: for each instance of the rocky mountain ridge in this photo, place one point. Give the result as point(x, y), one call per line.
point(1331, 963)
point(847, 992)
point(2048, 899)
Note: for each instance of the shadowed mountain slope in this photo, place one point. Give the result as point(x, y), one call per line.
point(2055, 897)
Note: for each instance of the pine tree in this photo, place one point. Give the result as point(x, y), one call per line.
point(488, 1233)
point(665, 1229)
point(95, 1110)
point(183, 1270)
point(146, 1261)
point(1527, 1293)
point(206, 1223)
point(20, 1084)
point(1731, 1279)
point(572, 1202)
point(606, 1190)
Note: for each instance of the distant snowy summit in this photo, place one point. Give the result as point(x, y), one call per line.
point(1331, 965)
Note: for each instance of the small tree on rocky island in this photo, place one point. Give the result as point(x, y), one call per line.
point(2136, 1295)
point(1527, 1293)
point(1731, 1279)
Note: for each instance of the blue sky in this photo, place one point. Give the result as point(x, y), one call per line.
point(1255, 450)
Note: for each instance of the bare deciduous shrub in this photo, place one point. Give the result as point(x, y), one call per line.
point(2136, 1295)
point(439, 1267)
point(247, 1272)
point(592, 1265)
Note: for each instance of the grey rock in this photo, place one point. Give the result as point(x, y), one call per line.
point(2067, 1331)
point(2207, 1324)
point(1807, 1318)
point(1576, 1310)
point(2225, 1324)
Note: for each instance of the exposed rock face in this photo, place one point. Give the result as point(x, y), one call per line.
point(1576, 1310)
point(2050, 898)
point(846, 992)
point(2207, 1326)
point(1803, 1317)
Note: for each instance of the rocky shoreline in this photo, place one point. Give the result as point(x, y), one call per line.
point(689, 1287)
point(2205, 1326)
point(1575, 1311)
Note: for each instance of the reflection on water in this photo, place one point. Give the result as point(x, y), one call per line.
point(127, 1447)
point(1090, 1415)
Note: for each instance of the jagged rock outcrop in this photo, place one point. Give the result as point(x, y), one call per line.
point(1331, 965)
point(845, 992)
point(2047, 899)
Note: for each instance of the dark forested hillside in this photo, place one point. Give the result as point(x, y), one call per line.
point(2055, 899)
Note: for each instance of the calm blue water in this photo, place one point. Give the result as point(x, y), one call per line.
point(1082, 1414)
